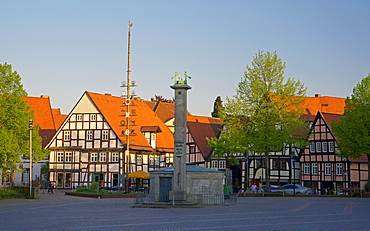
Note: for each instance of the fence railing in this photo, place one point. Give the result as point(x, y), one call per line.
point(201, 199)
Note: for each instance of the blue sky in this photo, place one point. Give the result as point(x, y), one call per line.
point(63, 48)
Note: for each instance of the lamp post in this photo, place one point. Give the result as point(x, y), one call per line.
point(293, 161)
point(30, 128)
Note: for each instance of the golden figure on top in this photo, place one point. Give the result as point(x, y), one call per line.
point(181, 81)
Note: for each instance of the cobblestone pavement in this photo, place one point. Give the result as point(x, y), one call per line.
point(60, 212)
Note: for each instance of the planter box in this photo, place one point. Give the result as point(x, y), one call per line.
point(91, 195)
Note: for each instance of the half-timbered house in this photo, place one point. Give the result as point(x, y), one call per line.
point(199, 128)
point(284, 166)
point(105, 137)
point(321, 167)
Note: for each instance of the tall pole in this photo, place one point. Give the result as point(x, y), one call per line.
point(128, 102)
point(127, 152)
point(129, 61)
point(31, 165)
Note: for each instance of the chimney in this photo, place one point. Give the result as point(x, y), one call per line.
point(317, 95)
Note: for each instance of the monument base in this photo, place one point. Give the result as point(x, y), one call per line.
point(178, 196)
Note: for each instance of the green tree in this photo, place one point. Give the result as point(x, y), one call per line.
point(353, 129)
point(14, 123)
point(217, 107)
point(264, 114)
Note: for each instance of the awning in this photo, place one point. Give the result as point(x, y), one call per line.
point(139, 174)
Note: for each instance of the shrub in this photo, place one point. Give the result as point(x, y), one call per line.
point(94, 187)
point(7, 193)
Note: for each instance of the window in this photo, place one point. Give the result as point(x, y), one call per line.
point(157, 160)
point(222, 164)
point(324, 146)
point(26, 176)
point(94, 157)
point(92, 117)
point(115, 157)
point(318, 147)
point(105, 135)
point(327, 169)
point(139, 159)
point(67, 135)
point(89, 135)
point(79, 117)
point(331, 146)
point(214, 164)
point(68, 157)
point(278, 164)
point(312, 147)
point(260, 163)
point(306, 168)
point(60, 157)
point(151, 160)
point(153, 141)
point(102, 157)
point(339, 169)
point(314, 169)
point(192, 149)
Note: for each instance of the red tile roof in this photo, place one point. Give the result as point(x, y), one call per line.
point(326, 104)
point(362, 159)
point(164, 110)
point(330, 117)
point(111, 106)
point(201, 127)
point(45, 117)
point(58, 117)
point(42, 112)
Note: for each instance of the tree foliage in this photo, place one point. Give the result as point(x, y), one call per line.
point(218, 108)
point(353, 129)
point(14, 122)
point(264, 114)
point(159, 98)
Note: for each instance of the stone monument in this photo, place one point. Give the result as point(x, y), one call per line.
point(178, 193)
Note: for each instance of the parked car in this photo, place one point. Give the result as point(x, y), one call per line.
point(298, 189)
point(272, 188)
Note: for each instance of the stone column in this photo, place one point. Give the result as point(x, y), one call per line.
point(178, 192)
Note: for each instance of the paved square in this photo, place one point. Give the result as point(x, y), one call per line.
point(61, 212)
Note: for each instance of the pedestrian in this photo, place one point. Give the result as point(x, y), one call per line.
point(50, 187)
point(254, 187)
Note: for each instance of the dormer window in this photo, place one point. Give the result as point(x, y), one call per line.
point(150, 133)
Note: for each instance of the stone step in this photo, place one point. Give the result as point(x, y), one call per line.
point(166, 205)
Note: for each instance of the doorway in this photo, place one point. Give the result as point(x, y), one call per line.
point(98, 177)
point(165, 186)
point(64, 180)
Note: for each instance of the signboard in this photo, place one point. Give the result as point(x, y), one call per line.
point(179, 148)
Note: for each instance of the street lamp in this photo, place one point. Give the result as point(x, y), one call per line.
point(30, 128)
